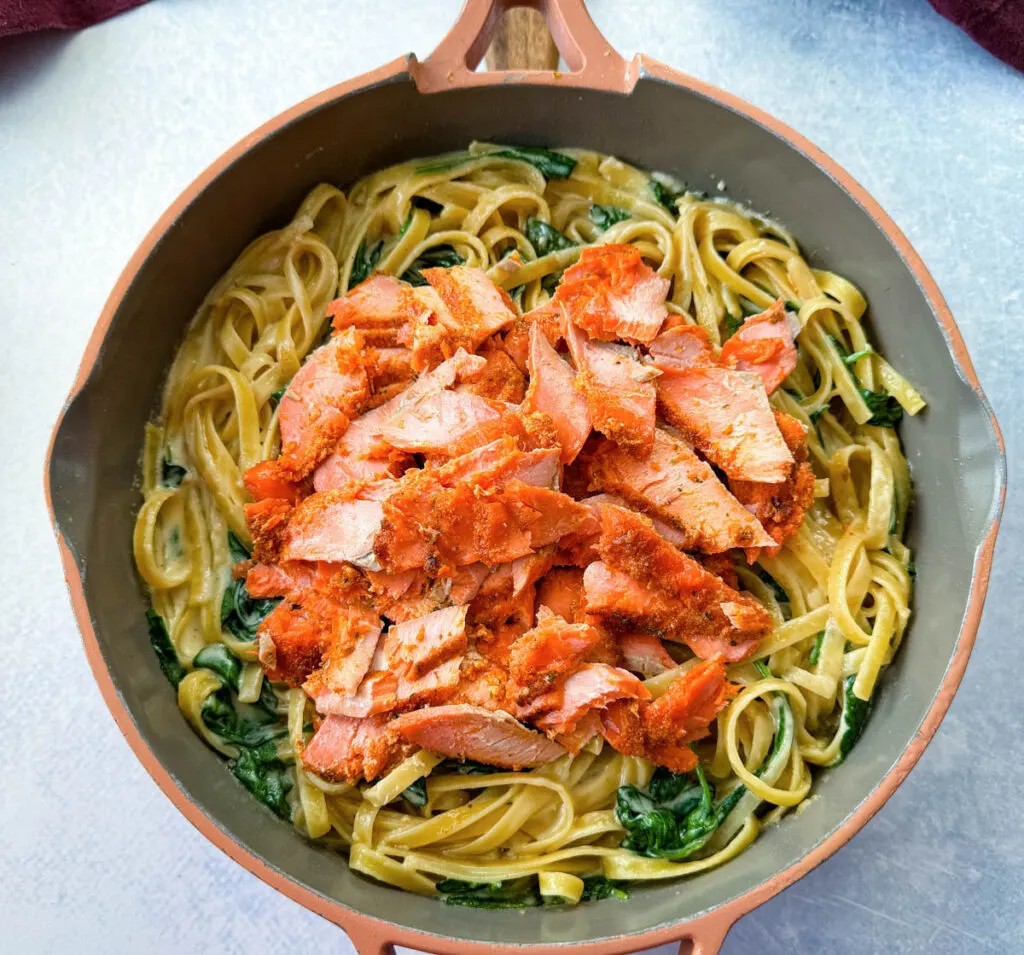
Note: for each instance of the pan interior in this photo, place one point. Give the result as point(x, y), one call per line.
point(951, 449)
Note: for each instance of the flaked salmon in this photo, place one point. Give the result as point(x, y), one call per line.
point(475, 308)
point(550, 649)
point(348, 750)
point(780, 506)
point(561, 591)
point(726, 416)
point(644, 653)
point(683, 602)
point(378, 308)
point(338, 525)
point(764, 345)
point(463, 731)
point(591, 687)
point(346, 661)
point(612, 294)
point(684, 714)
point(319, 401)
point(552, 391)
point(674, 486)
point(619, 391)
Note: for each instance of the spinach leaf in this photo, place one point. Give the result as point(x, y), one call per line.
point(266, 777)
point(816, 649)
point(598, 887)
point(416, 794)
point(514, 894)
point(268, 698)
point(422, 202)
point(912, 570)
point(221, 717)
point(171, 474)
point(816, 414)
point(732, 325)
point(544, 238)
point(164, 649)
point(676, 822)
point(222, 661)
point(237, 551)
point(857, 355)
point(276, 396)
point(604, 217)
point(365, 262)
point(240, 614)
point(664, 195)
point(851, 721)
point(550, 164)
point(792, 306)
point(776, 588)
point(885, 410)
point(438, 257)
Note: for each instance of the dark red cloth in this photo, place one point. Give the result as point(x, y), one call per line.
point(23, 16)
point(997, 25)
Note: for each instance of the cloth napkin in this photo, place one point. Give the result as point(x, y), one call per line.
point(998, 25)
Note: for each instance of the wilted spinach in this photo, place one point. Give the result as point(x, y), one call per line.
point(604, 217)
point(438, 257)
point(365, 262)
point(164, 649)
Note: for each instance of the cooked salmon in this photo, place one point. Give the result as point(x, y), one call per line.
point(319, 401)
point(726, 416)
point(561, 591)
point(436, 421)
point(684, 346)
point(549, 650)
point(553, 391)
point(780, 507)
point(684, 714)
point(764, 345)
point(378, 308)
point(645, 654)
point(612, 295)
point(475, 307)
point(689, 604)
point(270, 479)
point(500, 380)
point(346, 661)
point(416, 647)
point(618, 388)
point(591, 687)
point(673, 485)
point(350, 750)
point(292, 641)
point(462, 731)
point(338, 525)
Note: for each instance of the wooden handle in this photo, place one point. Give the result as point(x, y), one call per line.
point(522, 41)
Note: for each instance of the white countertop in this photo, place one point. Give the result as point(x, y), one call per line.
point(100, 130)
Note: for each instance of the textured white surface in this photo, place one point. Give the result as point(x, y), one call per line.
point(99, 131)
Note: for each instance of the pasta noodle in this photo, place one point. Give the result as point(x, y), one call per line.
point(838, 591)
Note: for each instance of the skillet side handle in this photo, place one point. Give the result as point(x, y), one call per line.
point(592, 61)
point(706, 937)
point(369, 940)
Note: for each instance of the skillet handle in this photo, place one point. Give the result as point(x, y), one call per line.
point(592, 61)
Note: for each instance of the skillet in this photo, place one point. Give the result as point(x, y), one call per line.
point(646, 114)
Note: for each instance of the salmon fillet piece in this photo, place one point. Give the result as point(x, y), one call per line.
point(550, 649)
point(475, 307)
point(292, 641)
point(623, 728)
point(553, 392)
point(684, 714)
point(415, 647)
point(684, 346)
point(643, 582)
point(498, 463)
point(316, 407)
point(492, 737)
point(726, 416)
point(500, 380)
point(346, 661)
point(592, 687)
point(645, 654)
point(362, 453)
point(506, 608)
point(290, 579)
point(379, 308)
point(672, 534)
point(674, 486)
point(436, 421)
point(338, 525)
point(349, 750)
point(612, 294)
point(270, 479)
point(267, 521)
point(619, 391)
point(780, 507)
point(764, 345)
point(561, 591)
